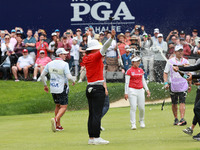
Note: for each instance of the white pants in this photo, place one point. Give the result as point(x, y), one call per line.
point(136, 97)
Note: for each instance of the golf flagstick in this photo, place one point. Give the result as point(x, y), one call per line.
point(119, 56)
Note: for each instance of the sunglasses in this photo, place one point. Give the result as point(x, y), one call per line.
point(41, 53)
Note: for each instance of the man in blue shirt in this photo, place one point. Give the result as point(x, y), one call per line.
point(30, 44)
point(126, 58)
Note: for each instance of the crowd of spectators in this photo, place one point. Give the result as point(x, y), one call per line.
point(25, 55)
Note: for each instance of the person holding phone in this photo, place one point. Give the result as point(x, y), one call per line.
point(42, 45)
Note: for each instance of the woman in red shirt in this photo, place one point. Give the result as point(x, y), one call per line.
point(134, 83)
point(95, 90)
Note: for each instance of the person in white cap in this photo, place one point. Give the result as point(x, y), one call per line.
point(126, 58)
point(134, 84)
point(159, 61)
point(177, 85)
point(95, 90)
point(155, 37)
point(59, 76)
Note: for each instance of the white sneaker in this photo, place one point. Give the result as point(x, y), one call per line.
point(99, 141)
point(39, 79)
point(91, 141)
point(142, 125)
point(79, 81)
point(133, 127)
point(53, 124)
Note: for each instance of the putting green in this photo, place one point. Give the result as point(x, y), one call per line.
point(33, 132)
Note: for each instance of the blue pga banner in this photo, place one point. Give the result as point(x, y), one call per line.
point(97, 13)
point(64, 14)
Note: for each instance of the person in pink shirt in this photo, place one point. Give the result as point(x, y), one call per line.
point(134, 84)
point(40, 63)
point(121, 44)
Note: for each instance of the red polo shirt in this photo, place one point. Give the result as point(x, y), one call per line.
point(94, 67)
point(136, 77)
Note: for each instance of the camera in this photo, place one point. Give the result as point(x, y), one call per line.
point(174, 32)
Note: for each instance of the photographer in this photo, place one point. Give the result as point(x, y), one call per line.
point(172, 33)
point(138, 31)
point(42, 45)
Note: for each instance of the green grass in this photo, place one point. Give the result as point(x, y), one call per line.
point(29, 97)
point(32, 132)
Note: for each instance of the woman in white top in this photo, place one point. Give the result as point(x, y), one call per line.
point(7, 46)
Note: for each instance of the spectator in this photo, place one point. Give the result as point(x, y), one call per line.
point(18, 48)
point(186, 48)
point(30, 43)
point(147, 56)
point(53, 46)
point(68, 34)
point(197, 48)
point(127, 37)
point(20, 32)
point(189, 41)
point(5, 65)
point(159, 62)
point(82, 49)
point(111, 56)
point(42, 45)
point(40, 63)
point(24, 65)
point(102, 38)
point(65, 44)
point(126, 58)
point(174, 40)
point(182, 34)
point(79, 37)
point(135, 44)
point(57, 31)
point(195, 37)
point(5, 62)
point(170, 52)
point(171, 34)
point(136, 31)
point(13, 37)
point(155, 37)
point(75, 54)
point(121, 44)
point(2, 38)
point(7, 46)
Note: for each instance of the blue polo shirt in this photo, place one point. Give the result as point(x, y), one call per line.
point(31, 40)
